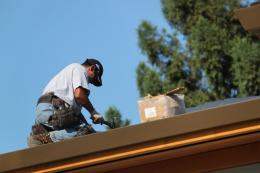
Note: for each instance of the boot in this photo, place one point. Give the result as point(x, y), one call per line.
point(36, 140)
point(88, 129)
point(38, 129)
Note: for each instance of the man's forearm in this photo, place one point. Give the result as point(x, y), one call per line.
point(85, 102)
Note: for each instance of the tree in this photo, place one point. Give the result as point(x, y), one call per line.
point(114, 116)
point(217, 59)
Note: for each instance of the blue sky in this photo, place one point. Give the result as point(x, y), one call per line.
point(39, 38)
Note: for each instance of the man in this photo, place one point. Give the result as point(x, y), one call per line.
point(58, 111)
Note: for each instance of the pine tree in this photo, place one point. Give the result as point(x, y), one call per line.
point(114, 116)
point(217, 59)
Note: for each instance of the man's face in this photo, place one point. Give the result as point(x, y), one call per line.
point(91, 71)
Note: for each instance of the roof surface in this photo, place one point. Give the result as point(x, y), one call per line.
point(218, 103)
point(136, 134)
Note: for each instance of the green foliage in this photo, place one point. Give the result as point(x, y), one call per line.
point(246, 70)
point(218, 59)
point(196, 97)
point(114, 116)
point(150, 80)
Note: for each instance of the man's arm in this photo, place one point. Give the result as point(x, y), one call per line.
point(81, 96)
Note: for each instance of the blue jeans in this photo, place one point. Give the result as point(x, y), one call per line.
point(43, 113)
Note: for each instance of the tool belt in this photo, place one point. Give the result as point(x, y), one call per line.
point(64, 116)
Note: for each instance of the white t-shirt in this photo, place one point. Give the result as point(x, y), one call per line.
point(66, 81)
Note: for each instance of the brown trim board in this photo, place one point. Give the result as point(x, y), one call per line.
point(141, 133)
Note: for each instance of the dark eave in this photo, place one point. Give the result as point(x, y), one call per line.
point(249, 18)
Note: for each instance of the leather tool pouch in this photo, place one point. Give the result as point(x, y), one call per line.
point(64, 118)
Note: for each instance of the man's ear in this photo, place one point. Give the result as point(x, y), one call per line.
point(92, 68)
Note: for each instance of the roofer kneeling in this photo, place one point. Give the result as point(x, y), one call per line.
point(58, 111)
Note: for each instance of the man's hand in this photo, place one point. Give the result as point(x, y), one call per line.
point(97, 118)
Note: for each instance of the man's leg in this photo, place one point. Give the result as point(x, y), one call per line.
point(80, 130)
point(43, 112)
point(60, 135)
point(39, 134)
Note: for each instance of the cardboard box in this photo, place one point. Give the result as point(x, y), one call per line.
point(161, 106)
point(250, 18)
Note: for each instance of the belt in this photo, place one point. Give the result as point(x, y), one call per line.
point(54, 100)
point(46, 98)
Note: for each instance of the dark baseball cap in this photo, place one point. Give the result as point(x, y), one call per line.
point(97, 80)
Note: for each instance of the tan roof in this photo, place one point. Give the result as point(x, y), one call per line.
point(138, 140)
